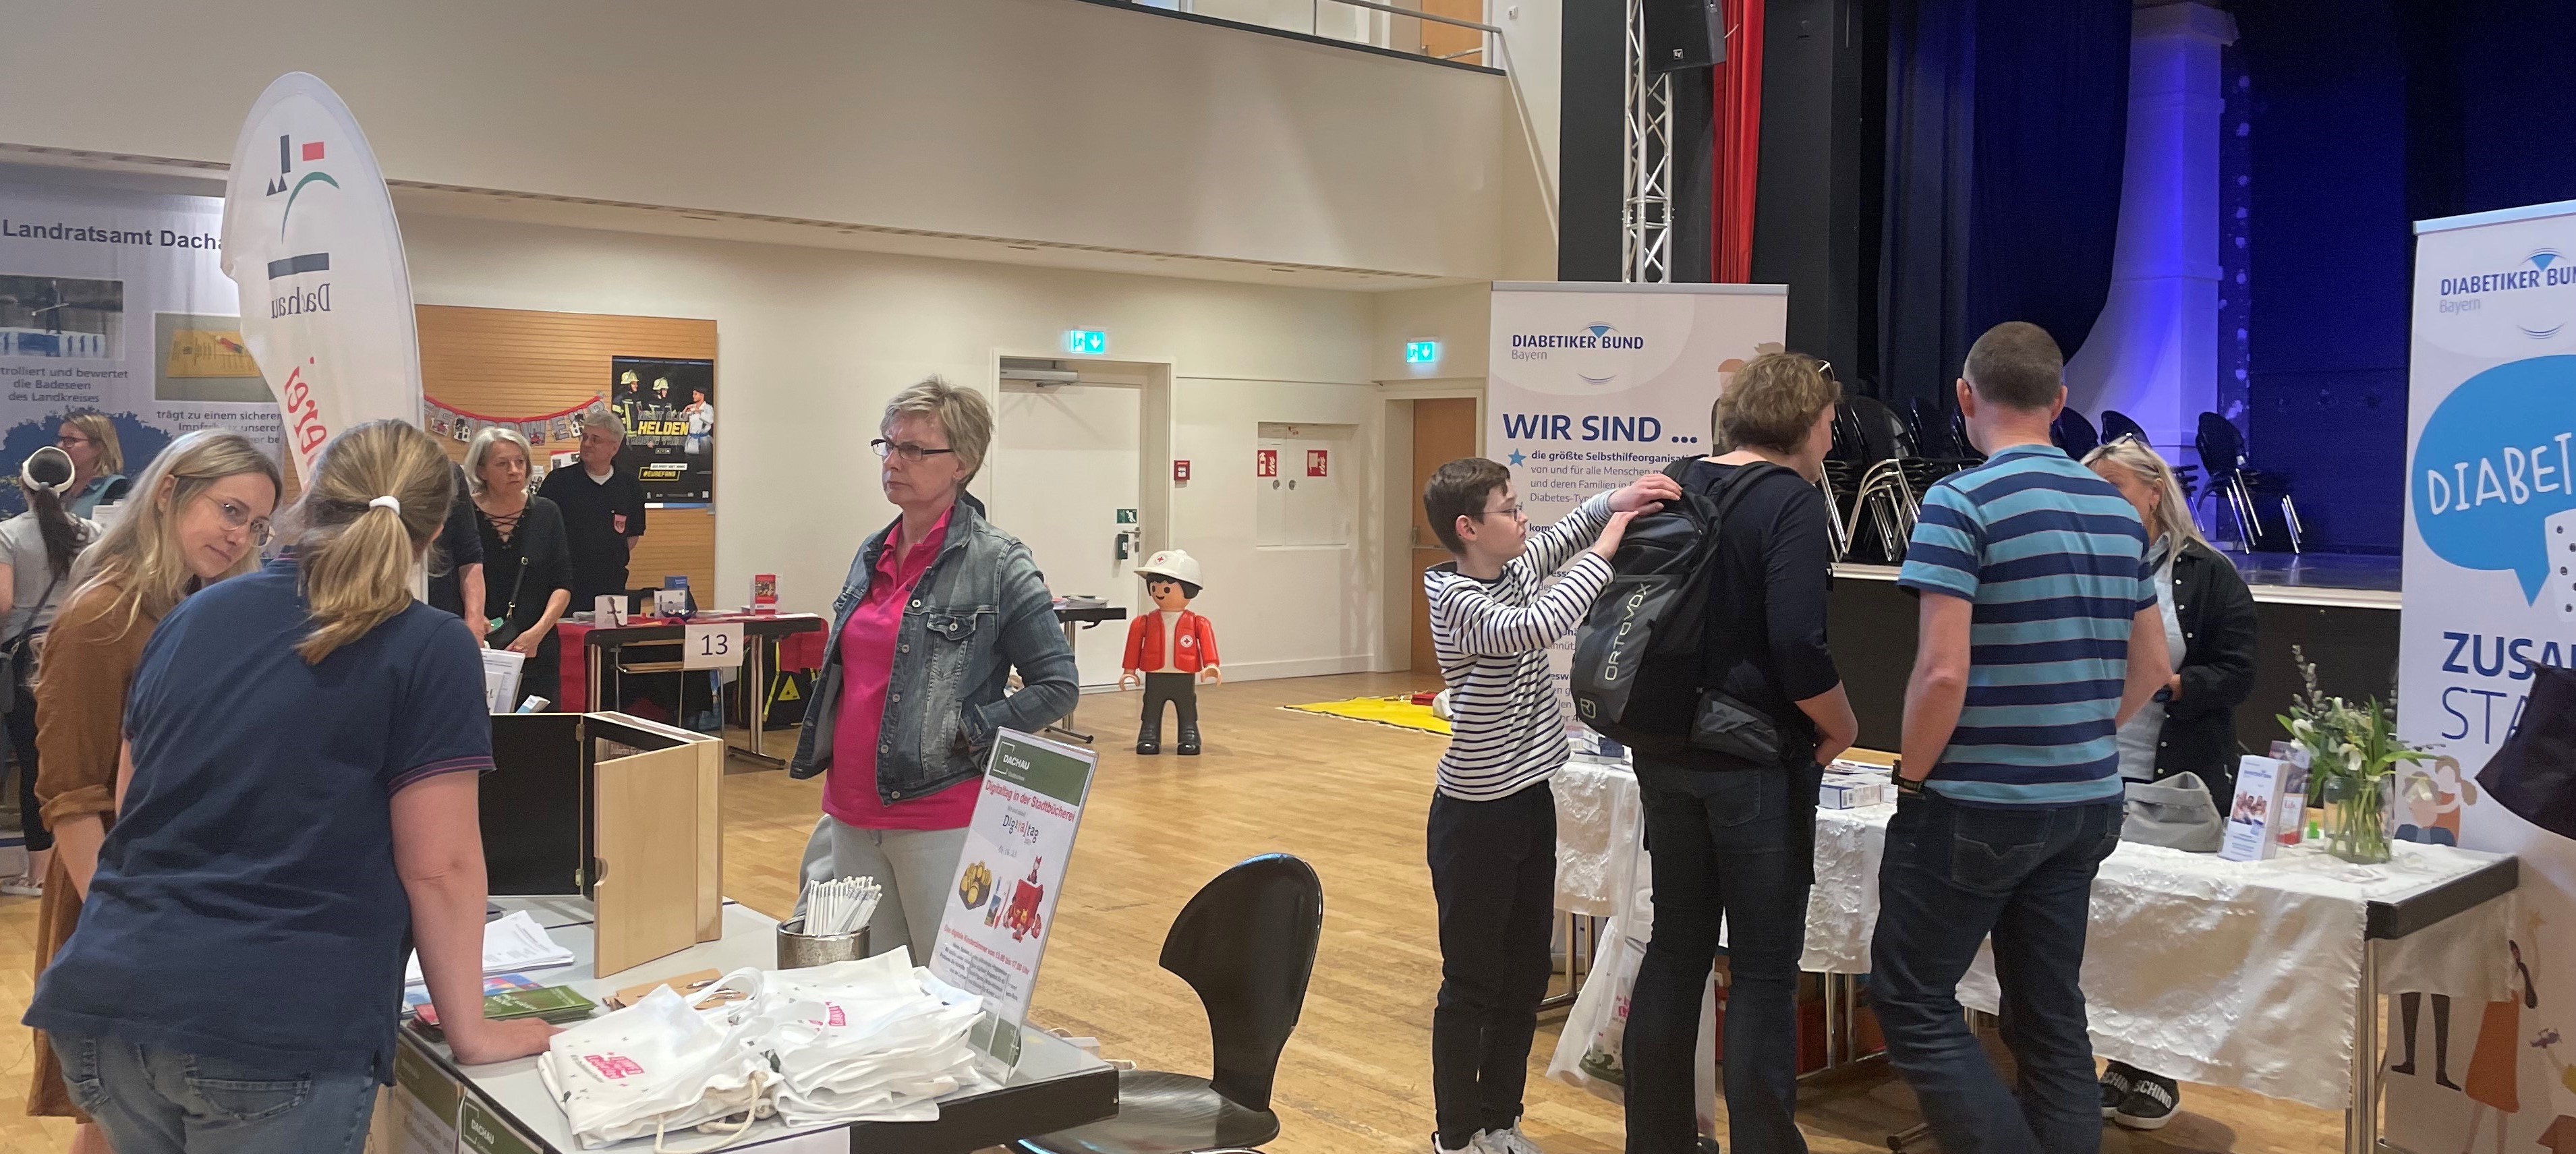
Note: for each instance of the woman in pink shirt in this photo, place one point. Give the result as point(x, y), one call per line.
point(938, 610)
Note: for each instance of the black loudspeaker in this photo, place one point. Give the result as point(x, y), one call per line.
point(1684, 34)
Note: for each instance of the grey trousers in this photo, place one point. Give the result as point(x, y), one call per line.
point(917, 867)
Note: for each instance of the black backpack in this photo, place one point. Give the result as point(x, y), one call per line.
point(1636, 657)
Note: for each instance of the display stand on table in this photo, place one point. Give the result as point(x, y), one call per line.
point(616, 809)
point(602, 651)
point(506, 1107)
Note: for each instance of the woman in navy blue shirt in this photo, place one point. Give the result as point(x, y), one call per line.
point(298, 791)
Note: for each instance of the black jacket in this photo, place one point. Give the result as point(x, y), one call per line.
point(2217, 616)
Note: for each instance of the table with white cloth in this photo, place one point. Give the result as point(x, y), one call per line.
point(2261, 975)
point(1056, 1086)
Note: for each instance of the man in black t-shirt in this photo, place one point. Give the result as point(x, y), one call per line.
point(603, 508)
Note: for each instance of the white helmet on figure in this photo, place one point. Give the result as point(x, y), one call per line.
point(1176, 564)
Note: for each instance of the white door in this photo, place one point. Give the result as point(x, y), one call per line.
point(1063, 468)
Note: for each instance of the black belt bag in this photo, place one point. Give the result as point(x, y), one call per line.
point(1726, 725)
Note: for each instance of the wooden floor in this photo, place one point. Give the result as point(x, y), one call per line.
point(1347, 796)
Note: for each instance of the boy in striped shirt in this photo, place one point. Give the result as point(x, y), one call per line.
point(1492, 835)
point(2039, 635)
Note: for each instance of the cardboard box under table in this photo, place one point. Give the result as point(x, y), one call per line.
point(436, 1105)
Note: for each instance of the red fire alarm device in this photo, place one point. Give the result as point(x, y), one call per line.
point(1316, 461)
point(1180, 470)
point(1265, 463)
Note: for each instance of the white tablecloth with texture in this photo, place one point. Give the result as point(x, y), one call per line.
point(2225, 973)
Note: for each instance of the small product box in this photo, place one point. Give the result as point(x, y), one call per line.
point(764, 592)
point(2255, 816)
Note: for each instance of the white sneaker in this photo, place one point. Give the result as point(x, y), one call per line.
point(1510, 1141)
point(23, 886)
point(1474, 1145)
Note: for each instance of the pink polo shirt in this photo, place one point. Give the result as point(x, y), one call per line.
point(867, 661)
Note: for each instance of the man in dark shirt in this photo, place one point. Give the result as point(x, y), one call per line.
point(459, 589)
point(603, 508)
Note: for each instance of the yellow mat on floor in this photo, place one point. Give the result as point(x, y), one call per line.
point(1398, 711)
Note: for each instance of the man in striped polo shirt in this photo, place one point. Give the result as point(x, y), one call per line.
point(2039, 636)
point(1492, 830)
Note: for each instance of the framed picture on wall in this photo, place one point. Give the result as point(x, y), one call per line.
point(668, 408)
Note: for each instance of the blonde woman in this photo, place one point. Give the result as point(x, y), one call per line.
point(211, 493)
point(2190, 727)
point(298, 793)
point(527, 564)
point(98, 461)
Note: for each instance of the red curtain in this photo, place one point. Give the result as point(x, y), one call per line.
point(1737, 143)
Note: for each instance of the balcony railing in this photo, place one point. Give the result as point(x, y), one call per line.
point(1450, 31)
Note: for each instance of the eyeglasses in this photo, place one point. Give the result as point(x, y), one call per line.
point(69, 440)
point(238, 517)
point(907, 451)
point(1514, 511)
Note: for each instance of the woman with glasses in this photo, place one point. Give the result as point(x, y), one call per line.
point(939, 609)
point(204, 519)
point(37, 549)
point(2190, 726)
point(527, 561)
point(98, 462)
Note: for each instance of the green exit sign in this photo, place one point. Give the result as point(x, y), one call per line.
point(1086, 342)
point(1421, 352)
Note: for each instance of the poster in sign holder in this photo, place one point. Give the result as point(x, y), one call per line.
point(993, 933)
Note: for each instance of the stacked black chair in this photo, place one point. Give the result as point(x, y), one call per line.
point(1246, 943)
point(2072, 433)
point(2238, 486)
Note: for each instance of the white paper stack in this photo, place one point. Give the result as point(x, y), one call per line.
point(1852, 788)
point(510, 945)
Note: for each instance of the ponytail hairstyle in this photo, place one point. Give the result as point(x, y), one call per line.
point(45, 477)
point(139, 564)
point(377, 498)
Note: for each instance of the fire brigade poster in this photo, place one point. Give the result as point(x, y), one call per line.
point(995, 929)
point(116, 302)
point(669, 408)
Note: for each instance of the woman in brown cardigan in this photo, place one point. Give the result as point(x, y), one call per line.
point(199, 514)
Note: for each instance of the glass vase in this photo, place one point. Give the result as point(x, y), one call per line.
point(2361, 817)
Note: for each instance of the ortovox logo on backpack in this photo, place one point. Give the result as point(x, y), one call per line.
point(1636, 658)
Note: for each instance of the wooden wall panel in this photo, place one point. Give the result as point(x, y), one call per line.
point(512, 362)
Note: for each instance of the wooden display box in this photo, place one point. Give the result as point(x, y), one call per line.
point(625, 812)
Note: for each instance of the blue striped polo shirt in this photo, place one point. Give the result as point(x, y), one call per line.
point(2055, 561)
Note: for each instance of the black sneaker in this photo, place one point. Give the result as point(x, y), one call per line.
point(2117, 1077)
point(2150, 1103)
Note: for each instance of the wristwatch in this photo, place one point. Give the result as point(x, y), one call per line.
point(1905, 786)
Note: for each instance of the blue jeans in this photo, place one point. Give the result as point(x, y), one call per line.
point(1738, 847)
point(155, 1101)
point(1954, 873)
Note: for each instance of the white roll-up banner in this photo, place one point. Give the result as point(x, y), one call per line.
point(1592, 384)
point(2490, 584)
point(310, 239)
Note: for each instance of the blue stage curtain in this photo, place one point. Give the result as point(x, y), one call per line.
point(2006, 121)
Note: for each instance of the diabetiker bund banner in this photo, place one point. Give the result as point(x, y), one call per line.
point(2490, 581)
point(1591, 384)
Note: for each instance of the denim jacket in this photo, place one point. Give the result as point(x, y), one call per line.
point(980, 611)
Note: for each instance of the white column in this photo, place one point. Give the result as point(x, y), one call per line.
point(2153, 353)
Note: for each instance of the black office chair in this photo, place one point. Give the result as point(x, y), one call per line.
point(2074, 434)
point(1246, 943)
point(2237, 484)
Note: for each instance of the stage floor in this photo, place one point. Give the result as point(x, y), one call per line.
point(2319, 571)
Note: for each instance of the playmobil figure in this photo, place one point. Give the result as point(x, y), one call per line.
point(1171, 648)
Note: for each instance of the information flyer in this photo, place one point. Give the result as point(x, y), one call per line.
point(994, 932)
point(116, 302)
